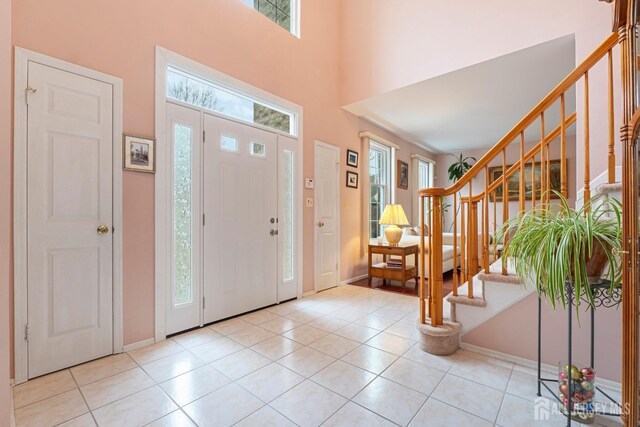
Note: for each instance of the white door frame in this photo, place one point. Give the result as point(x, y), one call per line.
point(164, 58)
point(315, 215)
point(22, 59)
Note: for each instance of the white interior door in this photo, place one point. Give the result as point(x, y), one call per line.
point(327, 174)
point(183, 295)
point(69, 209)
point(241, 218)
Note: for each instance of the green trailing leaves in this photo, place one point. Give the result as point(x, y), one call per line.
point(553, 244)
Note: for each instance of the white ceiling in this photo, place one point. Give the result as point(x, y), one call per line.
point(475, 106)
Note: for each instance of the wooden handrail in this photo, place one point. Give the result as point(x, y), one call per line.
point(548, 100)
point(514, 168)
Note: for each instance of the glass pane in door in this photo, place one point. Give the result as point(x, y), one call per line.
point(182, 215)
point(286, 222)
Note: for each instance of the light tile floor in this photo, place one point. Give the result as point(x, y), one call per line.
point(344, 357)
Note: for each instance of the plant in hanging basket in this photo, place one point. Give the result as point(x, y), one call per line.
point(557, 245)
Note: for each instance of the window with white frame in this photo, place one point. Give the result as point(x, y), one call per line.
point(282, 12)
point(423, 178)
point(380, 178)
point(185, 87)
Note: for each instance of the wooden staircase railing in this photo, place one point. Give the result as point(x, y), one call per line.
point(471, 223)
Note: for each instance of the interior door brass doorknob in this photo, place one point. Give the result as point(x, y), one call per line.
point(103, 229)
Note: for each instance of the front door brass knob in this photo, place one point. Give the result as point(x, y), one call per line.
point(103, 229)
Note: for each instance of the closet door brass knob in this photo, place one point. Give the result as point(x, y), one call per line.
point(102, 229)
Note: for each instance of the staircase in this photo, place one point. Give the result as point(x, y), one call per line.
point(495, 292)
point(483, 287)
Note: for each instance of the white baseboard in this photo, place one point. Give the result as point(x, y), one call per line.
point(532, 364)
point(308, 294)
point(139, 344)
point(353, 279)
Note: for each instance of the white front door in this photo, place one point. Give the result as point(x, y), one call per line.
point(70, 197)
point(240, 200)
point(327, 173)
point(185, 142)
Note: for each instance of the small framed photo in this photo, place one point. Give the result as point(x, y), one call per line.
point(352, 179)
point(402, 177)
point(139, 154)
point(352, 158)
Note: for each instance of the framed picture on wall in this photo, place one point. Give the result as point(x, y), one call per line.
point(352, 158)
point(402, 175)
point(532, 180)
point(139, 154)
point(352, 179)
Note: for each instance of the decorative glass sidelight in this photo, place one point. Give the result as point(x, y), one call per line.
point(182, 215)
point(286, 223)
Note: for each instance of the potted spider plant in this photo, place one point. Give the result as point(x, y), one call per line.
point(558, 245)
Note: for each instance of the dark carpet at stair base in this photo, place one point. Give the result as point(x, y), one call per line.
point(409, 288)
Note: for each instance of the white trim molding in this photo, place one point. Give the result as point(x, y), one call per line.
point(378, 138)
point(139, 344)
point(164, 59)
point(22, 59)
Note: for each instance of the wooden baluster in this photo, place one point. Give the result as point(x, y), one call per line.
point(612, 154)
point(422, 261)
point(587, 166)
point(485, 222)
point(495, 222)
point(548, 177)
point(455, 244)
point(435, 275)
point(533, 183)
point(472, 252)
point(543, 163)
point(521, 197)
point(463, 245)
point(505, 198)
point(431, 251)
point(472, 243)
point(563, 149)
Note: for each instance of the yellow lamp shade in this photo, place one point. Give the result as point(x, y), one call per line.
point(393, 216)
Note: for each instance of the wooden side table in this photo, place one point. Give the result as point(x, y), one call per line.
point(401, 273)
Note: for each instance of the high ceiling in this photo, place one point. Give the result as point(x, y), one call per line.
point(475, 106)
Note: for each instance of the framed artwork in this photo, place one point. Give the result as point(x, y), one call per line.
point(139, 154)
point(402, 175)
point(352, 179)
point(513, 184)
point(352, 158)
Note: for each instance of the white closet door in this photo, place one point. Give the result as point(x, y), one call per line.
point(70, 196)
point(183, 296)
point(241, 214)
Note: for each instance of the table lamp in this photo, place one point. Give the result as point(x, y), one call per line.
point(393, 216)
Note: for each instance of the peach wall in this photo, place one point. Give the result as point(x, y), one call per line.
point(520, 338)
point(5, 206)
point(226, 35)
point(351, 213)
point(390, 44)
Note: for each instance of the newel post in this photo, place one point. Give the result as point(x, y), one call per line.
point(437, 335)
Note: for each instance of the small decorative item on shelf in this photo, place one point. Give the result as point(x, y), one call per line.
point(577, 391)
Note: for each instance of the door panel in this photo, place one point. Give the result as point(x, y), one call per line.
point(240, 204)
point(70, 137)
point(326, 216)
point(184, 297)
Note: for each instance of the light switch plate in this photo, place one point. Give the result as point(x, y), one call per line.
point(309, 183)
point(309, 202)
